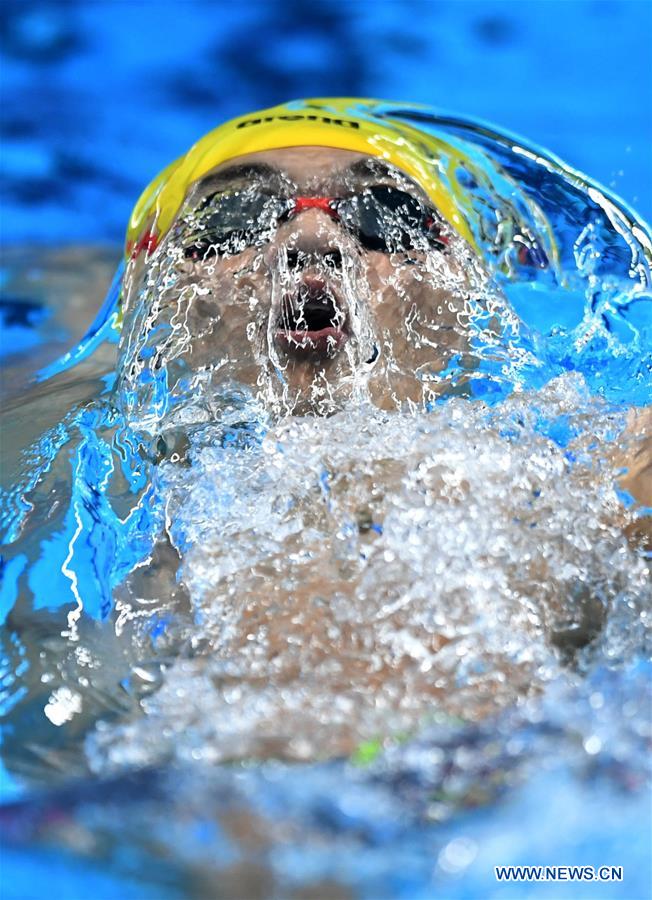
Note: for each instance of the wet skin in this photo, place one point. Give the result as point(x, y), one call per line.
point(216, 300)
point(396, 317)
point(407, 319)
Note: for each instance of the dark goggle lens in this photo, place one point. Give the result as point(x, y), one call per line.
point(383, 219)
point(233, 223)
point(389, 220)
point(363, 217)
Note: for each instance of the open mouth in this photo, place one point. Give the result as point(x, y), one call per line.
point(312, 321)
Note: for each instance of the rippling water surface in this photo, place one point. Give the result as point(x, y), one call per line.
point(304, 631)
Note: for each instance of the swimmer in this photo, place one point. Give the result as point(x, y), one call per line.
point(325, 246)
point(292, 261)
point(314, 254)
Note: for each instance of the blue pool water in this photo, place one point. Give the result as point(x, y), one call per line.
point(562, 777)
point(571, 76)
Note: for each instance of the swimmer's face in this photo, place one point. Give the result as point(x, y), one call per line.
point(321, 270)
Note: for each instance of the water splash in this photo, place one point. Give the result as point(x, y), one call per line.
point(213, 556)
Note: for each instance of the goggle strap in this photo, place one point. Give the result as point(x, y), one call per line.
point(326, 204)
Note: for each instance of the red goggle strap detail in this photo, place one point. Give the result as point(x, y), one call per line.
point(326, 204)
point(430, 221)
point(147, 241)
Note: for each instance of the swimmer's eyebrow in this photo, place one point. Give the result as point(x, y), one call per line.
point(238, 172)
point(375, 167)
point(371, 171)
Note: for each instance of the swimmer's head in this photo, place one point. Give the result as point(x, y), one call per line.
point(304, 257)
point(335, 123)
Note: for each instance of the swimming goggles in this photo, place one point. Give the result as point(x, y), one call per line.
point(382, 218)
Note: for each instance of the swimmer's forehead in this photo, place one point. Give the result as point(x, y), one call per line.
point(325, 169)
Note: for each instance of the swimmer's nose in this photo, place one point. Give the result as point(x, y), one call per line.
point(313, 232)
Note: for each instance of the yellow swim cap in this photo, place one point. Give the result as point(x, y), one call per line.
point(341, 123)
